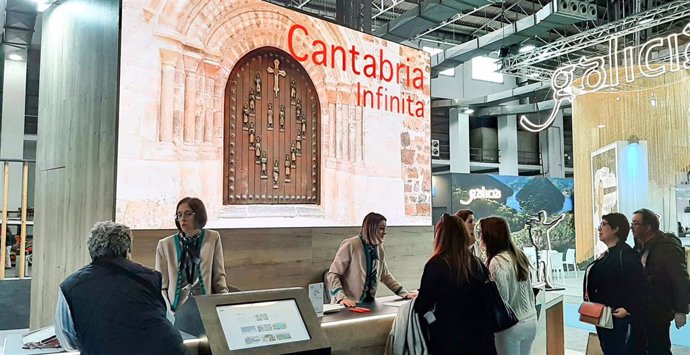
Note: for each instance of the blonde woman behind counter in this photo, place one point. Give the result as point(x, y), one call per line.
point(191, 261)
point(360, 263)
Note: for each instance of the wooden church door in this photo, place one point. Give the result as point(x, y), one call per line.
point(271, 140)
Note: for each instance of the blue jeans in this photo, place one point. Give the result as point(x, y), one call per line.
point(617, 341)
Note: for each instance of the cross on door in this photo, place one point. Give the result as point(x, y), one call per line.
point(277, 73)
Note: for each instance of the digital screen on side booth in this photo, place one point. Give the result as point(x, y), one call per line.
point(253, 325)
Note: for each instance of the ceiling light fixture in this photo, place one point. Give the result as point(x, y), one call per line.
point(468, 111)
point(527, 48)
point(601, 126)
point(644, 21)
point(15, 56)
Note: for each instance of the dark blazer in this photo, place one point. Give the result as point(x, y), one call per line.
point(618, 280)
point(461, 325)
point(667, 273)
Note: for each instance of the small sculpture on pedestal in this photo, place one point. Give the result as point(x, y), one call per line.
point(257, 150)
point(293, 154)
point(303, 127)
point(293, 92)
point(287, 168)
point(245, 117)
point(276, 173)
point(252, 102)
point(257, 84)
point(264, 166)
point(269, 114)
point(298, 109)
point(298, 142)
point(251, 135)
point(281, 120)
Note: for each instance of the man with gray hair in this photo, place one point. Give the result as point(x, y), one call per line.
point(114, 305)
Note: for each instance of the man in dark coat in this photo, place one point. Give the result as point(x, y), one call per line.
point(664, 260)
point(113, 305)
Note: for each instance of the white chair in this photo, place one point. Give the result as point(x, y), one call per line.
point(570, 260)
point(557, 263)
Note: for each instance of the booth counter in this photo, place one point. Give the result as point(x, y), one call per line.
point(366, 333)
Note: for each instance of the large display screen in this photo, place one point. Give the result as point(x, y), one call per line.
point(262, 324)
point(271, 117)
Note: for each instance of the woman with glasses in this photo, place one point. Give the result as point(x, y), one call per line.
point(360, 264)
point(509, 268)
point(451, 296)
point(618, 280)
point(191, 261)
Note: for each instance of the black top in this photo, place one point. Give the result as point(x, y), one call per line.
point(667, 273)
point(117, 308)
point(617, 279)
point(462, 325)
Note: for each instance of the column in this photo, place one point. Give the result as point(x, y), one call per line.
point(211, 68)
point(165, 120)
point(551, 146)
point(459, 132)
point(507, 145)
point(12, 139)
point(190, 68)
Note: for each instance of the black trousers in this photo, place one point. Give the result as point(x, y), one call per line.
point(658, 337)
point(619, 340)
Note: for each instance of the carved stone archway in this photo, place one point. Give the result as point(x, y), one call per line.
point(272, 120)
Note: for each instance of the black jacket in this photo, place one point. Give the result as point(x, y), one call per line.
point(618, 280)
point(117, 313)
point(461, 326)
point(667, 273)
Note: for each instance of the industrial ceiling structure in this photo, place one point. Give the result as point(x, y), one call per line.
point(529, 38)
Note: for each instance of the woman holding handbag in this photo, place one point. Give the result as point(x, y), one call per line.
point(617, 280)
point(509, 268)
point(451, 297)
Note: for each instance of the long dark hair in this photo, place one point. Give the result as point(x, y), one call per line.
point(451, 243)
point(496, 238)
point(370, 233)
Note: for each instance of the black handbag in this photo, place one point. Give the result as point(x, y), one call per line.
point(501, 316)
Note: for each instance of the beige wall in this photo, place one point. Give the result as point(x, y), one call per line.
point(271, 258)
point(624, 113)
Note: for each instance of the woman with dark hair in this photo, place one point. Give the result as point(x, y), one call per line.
point(617, 279)
point(467, 218)
point(191, 261)
point(509, 268)
point(451, 297)
point(360, 263)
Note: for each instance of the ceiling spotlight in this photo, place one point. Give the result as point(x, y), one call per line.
point(644, 21)
point(601, 126)
point(15, 56)
point(527, 48)
point(468, 111)
point(533, 75)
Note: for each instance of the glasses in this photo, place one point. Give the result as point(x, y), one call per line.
point(635, 225)
point(180, 216)
point(602, 224)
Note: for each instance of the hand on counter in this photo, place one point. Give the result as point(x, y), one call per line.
point(409, 295)
point(348, 303)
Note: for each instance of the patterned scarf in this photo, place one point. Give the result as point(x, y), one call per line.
point(371, 281)
point(189, 267)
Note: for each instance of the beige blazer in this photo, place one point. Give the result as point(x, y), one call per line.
point(212, 264)
point(348, 272)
